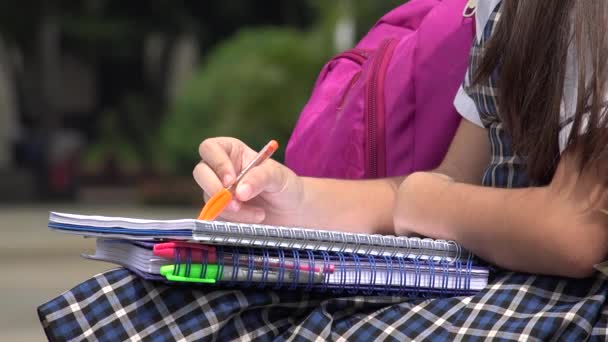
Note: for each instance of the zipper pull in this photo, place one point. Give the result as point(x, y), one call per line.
point(470, 9)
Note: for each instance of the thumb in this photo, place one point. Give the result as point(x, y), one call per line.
point(270, 176)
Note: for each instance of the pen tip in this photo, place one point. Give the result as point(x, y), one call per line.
point(273, 144)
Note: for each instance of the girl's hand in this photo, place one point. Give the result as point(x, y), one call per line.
point(268, 193)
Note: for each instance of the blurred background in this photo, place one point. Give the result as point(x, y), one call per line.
point(103, 104)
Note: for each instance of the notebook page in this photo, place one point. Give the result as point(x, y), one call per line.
point(122, 222)
point(128, 255)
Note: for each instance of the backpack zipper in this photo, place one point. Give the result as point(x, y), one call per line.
point(375, 112)
point(356, 55)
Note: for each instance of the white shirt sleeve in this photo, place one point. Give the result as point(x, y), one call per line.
point(466, 107)
point(463, 102)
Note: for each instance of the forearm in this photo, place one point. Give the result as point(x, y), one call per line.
point(364, 206)
point(503, 226)
point(519, 229)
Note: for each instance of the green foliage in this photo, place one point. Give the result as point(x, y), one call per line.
point(252, 87)
point(367, 13)
point(114, 146)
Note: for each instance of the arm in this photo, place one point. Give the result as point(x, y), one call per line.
point(555, 229)
point(367, 206)
point(271, 193)
point(355, 206)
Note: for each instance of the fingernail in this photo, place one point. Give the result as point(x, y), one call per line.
point(234, 206)
point(226, 180)
point(260, 215)
point(244, 191)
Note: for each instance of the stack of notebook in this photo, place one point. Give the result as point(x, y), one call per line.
point(225, 254)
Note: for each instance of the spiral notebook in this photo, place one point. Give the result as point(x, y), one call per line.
point(338, 272)
point(223, 254)
point(253, 235)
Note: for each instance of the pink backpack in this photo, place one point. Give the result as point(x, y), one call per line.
point(385, 108)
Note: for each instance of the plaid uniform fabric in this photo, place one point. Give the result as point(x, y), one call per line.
point(506, 169)
point(118, 305)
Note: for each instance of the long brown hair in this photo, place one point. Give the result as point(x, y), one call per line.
point(530, 49)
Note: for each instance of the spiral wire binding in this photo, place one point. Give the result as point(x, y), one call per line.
point(372, 262)
point(250, 268)
point(311, 274)
point(458, 274)
point(326, 268)
point(342, 266)
point(389, 273)
point(235, 262)
point(402, 276)
point(281, 276)
point(436, 266)
point(265, 267)
point(417, 276)
point(354, 289)
point(469, 272)
point(222, 233)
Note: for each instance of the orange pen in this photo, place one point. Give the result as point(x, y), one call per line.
point(220, 200)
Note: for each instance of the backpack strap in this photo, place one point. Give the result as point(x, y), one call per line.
point(470, 9)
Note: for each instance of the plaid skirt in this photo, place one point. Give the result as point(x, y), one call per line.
point(118, 305)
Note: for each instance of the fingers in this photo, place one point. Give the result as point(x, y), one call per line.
point(270, 176)
point(206, 178)
point(217, 156)
point(221, 159)
point(246, 213)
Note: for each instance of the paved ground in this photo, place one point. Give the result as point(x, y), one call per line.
point(38, 264)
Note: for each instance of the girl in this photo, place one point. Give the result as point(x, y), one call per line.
point(524, 180)
point(522, 186)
